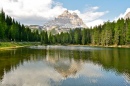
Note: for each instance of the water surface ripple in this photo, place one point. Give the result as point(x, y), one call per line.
point(65, 66)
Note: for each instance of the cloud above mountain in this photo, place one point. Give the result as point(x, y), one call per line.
point(91, 16)
point(39, 11)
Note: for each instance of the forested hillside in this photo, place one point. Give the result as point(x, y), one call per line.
point(110, 33)
point(11, 30)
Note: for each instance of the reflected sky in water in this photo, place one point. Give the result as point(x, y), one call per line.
point(51, 67)
point(81, 48)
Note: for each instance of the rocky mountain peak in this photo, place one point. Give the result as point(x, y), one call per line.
point(66, 13)
point(74, 14)
point(127, 15)
point(65, 21)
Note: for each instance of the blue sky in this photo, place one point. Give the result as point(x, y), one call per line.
point(92, 12)
point(115, 7)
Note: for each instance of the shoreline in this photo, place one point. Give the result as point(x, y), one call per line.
point(110, 46)
point(14, 45)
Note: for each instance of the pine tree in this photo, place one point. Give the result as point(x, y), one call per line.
point(2, 16)
point(127, 26)
point(77, 36)
point(84, 36)
point(46, 38)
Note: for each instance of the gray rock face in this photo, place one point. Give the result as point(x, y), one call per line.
point(64, 22)
point(127, 15)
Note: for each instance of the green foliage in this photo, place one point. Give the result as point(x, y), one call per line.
point(110, 33)
point(77, 36)
point(107, 34)
point(2, 16)
point(11, 30)
point(84, 37)
point(127, 26)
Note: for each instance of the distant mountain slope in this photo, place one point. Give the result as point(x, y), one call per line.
point(64, 22)
point(127, 15)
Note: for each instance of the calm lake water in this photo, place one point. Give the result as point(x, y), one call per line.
point(65, 66)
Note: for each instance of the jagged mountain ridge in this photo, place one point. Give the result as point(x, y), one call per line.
point(65, 21)
point(127, 15)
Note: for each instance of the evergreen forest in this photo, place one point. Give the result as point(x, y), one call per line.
point(110, 33)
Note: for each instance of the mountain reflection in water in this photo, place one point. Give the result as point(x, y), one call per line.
point(65, 66)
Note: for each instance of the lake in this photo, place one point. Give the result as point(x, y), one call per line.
point(65, 66)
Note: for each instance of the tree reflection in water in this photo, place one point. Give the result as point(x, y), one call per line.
point(58, 66)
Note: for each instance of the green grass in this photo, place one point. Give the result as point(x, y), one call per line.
point(16, 44)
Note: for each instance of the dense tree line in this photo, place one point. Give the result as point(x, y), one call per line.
point(110, 33)
point(76, 36)
point(11, 30)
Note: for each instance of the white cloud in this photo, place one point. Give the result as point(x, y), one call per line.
point(95, 22)
point(22, 10)
point(40, 11)
point(41, 75)
point(46, 73)
point(91, 16)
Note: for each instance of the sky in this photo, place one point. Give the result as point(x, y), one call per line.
point(38, 12)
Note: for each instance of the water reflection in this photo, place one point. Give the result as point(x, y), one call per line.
point(61, 66)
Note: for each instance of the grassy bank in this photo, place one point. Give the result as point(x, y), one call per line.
point(12, 45)
point(114, 46)
point(9, 45)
